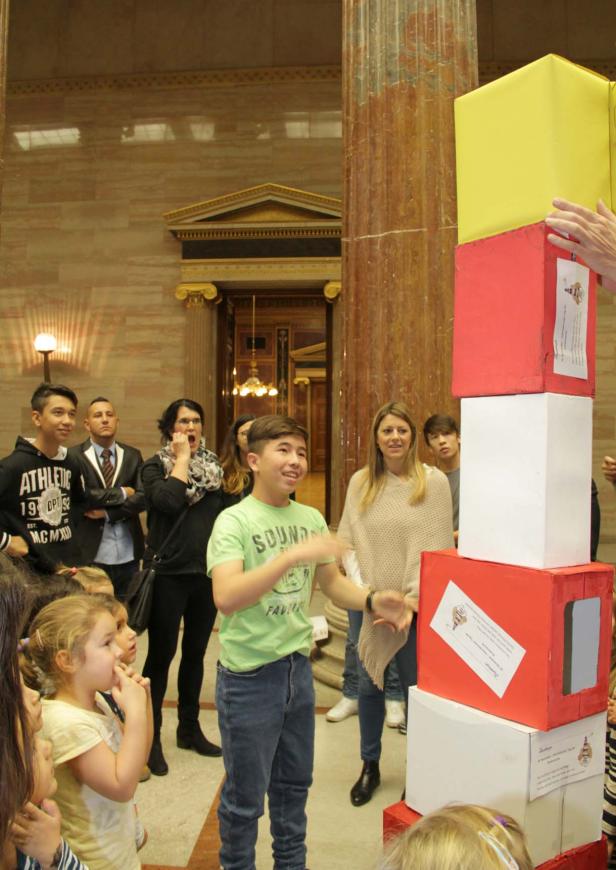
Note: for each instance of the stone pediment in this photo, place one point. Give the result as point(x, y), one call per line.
point(265, 211)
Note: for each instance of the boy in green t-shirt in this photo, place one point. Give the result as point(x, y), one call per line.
point(263, 556)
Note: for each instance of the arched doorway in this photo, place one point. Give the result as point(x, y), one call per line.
point(282, 246)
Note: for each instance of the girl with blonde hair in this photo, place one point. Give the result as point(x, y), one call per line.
point(72, 647)
point(395, 508)
point(465, 837)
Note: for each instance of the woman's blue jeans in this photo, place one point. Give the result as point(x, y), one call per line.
point(266, 720)
point(372, 699)
point(350, 675)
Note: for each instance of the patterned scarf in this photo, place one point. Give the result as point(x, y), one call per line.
point(204, 471)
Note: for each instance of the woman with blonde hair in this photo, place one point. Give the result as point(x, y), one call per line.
point(465, 837)
point(395, 508)
point(237, 479)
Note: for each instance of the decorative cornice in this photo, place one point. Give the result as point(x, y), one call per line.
point(261, 193)
point(250, 233)
point(264, 268)
point(488, 71)
point(184, 79)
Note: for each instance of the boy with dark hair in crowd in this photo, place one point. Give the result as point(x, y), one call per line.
point(442, 436)
point(40, 484)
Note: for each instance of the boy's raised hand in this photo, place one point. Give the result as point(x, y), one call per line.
point(317, 548)
point(36, 832)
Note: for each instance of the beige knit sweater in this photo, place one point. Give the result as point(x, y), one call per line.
point(388, 538)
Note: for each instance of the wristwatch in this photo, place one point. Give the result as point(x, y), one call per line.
point(368, 604)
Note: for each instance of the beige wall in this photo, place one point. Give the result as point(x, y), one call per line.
point(84, 248)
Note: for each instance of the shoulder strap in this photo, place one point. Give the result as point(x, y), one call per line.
point(158, 556)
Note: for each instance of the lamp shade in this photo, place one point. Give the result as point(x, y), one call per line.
point(45, 342)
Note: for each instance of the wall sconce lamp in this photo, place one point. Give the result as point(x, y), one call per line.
point(45, 344)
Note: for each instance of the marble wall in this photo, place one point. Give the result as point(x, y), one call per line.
point(84, 249)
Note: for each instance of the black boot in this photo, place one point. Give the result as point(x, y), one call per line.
point(156, 761)
point(369, 780)
point(190, 736)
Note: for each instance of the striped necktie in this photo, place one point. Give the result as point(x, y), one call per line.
point(107, 466)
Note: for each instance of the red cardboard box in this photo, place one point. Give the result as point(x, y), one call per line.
point(553, 624)
point(398, 817)
point(510, 307)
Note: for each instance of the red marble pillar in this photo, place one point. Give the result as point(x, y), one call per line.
point(404, 62)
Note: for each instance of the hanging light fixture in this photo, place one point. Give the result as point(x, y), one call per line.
point(253, 385)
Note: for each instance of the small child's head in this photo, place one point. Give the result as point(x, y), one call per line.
point(92, 580)
point(72, 642)
point(44, 590)
point(465, 837)
point(126, 637)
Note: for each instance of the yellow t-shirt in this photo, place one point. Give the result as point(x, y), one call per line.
point(100, 831)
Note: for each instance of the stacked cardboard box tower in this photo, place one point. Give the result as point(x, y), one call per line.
point(515, 627)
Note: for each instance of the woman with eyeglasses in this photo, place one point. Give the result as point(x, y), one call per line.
point(182, 481)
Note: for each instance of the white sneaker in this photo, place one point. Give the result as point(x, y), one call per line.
point(342, 710)
point(394, 714)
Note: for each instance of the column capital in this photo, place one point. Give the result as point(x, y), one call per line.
point(197, 294)
point(332, 290)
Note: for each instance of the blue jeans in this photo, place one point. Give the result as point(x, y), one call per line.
point(350, 675)
point(266, 720)
point(372, 699)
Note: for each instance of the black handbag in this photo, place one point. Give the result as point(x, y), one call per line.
point(141, 587)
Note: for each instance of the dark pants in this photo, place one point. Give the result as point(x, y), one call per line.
point(120, 576)
point(177, 596)
point(372, 699)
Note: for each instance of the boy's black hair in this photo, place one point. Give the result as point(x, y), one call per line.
point(99, 399)
point(43, 393)
point(270, 427)
point(439, 424)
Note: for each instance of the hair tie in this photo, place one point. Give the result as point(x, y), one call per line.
point(501, 820)
point(501, 851)
point(72, 571)
point(22, 644)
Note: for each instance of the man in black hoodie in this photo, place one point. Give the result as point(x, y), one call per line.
point(41, 485)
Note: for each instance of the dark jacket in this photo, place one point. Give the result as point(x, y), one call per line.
point(39, 498)
point(165, 498)
point(127, 473)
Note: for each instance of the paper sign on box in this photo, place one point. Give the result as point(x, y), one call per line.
point(563, 671)
point(398, 817)
point(459, 755)
point(540, 132)
point(525, 479)
point(524, 317)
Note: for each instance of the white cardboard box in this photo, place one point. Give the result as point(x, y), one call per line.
point(525, 479)
point(457, 754)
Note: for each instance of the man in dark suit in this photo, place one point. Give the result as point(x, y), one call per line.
point(112, 539)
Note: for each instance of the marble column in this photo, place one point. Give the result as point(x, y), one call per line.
point(404, 62)
point(200, 348)
point(4, 32)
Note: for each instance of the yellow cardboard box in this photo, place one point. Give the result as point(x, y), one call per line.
point(539, 132)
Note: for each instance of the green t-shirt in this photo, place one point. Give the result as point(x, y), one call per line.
point(277, 624)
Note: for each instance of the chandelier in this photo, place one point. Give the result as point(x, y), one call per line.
point(253, 385)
